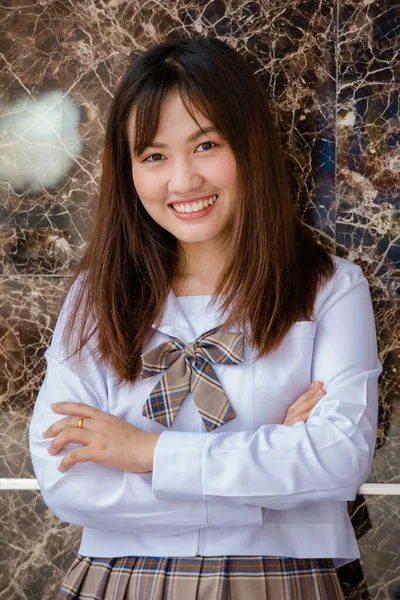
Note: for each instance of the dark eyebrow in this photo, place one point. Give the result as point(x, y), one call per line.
point(191, 138)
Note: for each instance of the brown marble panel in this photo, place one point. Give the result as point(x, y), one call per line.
point(385, 294)
point(369, 41)
point(368, 190)
point(367, 193)
point(45, 236)
point(29, 307)
point(35, 547)
point(376, 520)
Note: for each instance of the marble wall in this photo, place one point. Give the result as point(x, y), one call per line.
point(332, 72)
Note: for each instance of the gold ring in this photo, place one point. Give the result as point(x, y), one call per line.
point(80, 424)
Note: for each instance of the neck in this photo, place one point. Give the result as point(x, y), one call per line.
point(199, 268)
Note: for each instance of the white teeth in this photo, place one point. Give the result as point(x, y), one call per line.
point(195, 206)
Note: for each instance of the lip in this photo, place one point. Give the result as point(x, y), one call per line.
point(189, 200)
point(193, 216)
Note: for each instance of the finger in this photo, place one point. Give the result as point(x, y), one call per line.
point(77, 455)
point(78, 409)
point(309, 393)
point(299, 408)
point(307, 400)
point(299, 417)
point(292, 421)
point(60, 425)
point(70, 435)
point(314, 399)
point(306, 413)
point(312, 390)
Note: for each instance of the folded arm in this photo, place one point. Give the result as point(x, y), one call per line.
point(97, 496)
point(283, 467)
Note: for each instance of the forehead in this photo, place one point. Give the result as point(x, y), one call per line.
point(170, 114)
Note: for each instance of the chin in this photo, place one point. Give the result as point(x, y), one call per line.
point(192, 236)
point(190, 239)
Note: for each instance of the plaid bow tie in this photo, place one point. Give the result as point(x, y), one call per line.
point(187, 368)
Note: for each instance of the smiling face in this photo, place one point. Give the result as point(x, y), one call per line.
point(183, 166)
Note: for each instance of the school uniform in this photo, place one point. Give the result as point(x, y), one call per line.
point(238, 505)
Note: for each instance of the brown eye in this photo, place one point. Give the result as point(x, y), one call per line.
point(151, 156)
point(205, 143)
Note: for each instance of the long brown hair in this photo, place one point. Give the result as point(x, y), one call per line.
point(275, 265)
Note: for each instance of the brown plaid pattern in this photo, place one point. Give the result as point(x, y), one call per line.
point(200, 577)
point(188, 368)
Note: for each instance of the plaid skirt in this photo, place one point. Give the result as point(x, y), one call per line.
point(201, 578)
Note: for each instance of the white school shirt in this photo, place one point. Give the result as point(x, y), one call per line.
point(252, 486)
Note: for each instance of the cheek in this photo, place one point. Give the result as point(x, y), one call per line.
point(227, 171)
point(146, 188)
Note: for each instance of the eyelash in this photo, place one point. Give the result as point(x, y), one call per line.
point(158, 154)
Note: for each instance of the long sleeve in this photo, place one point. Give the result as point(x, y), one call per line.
point(97, 496)
point(283, 467)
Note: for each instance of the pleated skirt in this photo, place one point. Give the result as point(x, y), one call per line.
point(201, 578)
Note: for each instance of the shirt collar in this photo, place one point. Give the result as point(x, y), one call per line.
point(174, 321)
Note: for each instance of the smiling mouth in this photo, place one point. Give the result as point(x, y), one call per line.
point(194, 207)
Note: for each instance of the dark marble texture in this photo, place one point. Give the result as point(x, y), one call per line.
point(28, 311)
point(368, 162)
point(386, 301)
point(367, 198)
point(376, 520)
point(42, 235)
point(332, 73)
point(36, 548)
point(368, 150)
point(368, 41)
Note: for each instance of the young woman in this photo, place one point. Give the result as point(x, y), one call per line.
point(192, 440)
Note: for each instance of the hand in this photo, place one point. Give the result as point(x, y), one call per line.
point(106, 439)
point(301, 408)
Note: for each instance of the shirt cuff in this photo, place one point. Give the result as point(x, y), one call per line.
point(178, 473)
point(177, 465)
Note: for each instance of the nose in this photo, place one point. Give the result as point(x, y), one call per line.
point(183, 178)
